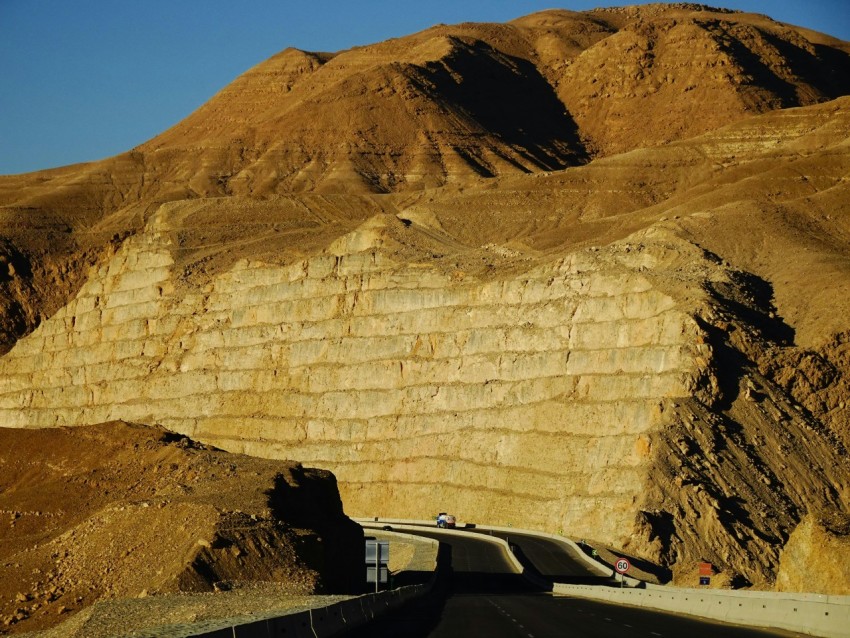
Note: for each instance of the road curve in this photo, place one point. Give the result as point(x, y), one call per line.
point(554, 560)
point(479, 593)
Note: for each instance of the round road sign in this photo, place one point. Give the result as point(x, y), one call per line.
point(622, 566)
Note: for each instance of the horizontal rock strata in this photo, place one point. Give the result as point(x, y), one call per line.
point(557, 397)
point(529, 394)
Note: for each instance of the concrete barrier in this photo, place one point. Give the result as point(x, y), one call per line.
point(595, 566)
point(501, 542)
point(328, 621)
point(322, 621)
point(292, 626)
point(813, 614)
point(590, 563)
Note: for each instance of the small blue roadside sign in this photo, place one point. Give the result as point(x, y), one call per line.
point(705, 572)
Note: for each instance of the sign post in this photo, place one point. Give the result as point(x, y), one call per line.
point(621, 567)
point(377, 561)
point(705, 572)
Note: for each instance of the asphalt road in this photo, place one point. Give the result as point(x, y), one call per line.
point(553, 560)
point(480, 594)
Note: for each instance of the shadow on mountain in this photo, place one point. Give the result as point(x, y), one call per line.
point(827, 69)
point(510, 100)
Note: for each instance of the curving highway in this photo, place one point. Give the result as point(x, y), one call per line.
point(553, 560)
point(480, 593)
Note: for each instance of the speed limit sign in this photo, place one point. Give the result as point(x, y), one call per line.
point(622, 566)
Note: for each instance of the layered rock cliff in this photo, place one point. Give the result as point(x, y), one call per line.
point(451, 105)
point(576, 317)
point(580, 394)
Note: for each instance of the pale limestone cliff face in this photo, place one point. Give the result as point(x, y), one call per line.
point(816, 558)
point(566, 397)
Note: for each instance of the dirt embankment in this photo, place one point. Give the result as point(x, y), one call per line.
point(817, 557)
point(123, 511)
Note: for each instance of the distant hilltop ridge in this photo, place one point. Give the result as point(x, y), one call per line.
point(453, 105)
point(460, 102)
point(654, 9)
point(583, 271)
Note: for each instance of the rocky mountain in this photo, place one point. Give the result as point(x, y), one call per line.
point(584, 272)
point(126, 511)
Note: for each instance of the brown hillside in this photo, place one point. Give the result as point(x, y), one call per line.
point(452, 104)
point(671, 72)
point(768, 194)
point(118, 510)
point(585, 272)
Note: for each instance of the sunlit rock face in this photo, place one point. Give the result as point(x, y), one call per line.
point(546, 398)
point(584, 271)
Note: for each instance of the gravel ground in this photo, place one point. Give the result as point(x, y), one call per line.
point(176, 615)
point(179, 615)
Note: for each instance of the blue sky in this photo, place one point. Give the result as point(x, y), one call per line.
point(87, 79)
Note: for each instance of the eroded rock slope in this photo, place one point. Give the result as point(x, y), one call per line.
point(454, 104)
point(615, 308)
point(579, 395)
point(126, 511)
